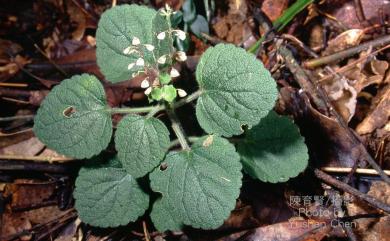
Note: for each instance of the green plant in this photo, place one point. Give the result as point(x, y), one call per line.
point(197, 185)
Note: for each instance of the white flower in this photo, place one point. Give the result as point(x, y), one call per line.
point(181, 92)
point(162, 59)
point(145, 84)
point(148, 91)
point(130, 66)
point(161, 36)
point(135, 41)
point(174, 73)
point(149, 47)
point(140, 62)
point(127, 50)
point(181, 56)
point(180, 34)
point(167, 11)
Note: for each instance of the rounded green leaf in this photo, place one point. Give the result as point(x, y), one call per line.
point(236, 90)
point(274, 150)
point(141, 143)
point(200, 186)
point(108, 197)
point(163, 217)
point(74, 119)
point(116, 30)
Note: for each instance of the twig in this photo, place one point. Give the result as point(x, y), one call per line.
point(302, 78)
point(346, 188)
point(359, 11)
point(322, 101)
point(338, 56)
point(146, 232)
point(345, 170)
point(27, 166)
point(17, 117)
point(352, 64)
point(178, 129)
point(15, 133)
point(19, 85)
point(51, 61)
point(37, 158)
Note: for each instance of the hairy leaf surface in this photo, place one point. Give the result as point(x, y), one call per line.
point(73, 119)
point(141, 143)
point(116, 30)
point(236, 90)
point(274, 150)
point(163, 217)
point(107, 196)
point(200, 186)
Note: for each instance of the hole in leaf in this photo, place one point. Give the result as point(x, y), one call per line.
point(69, 111)
point(244, 127)
point(163, 166)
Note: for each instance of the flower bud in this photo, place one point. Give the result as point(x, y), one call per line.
point(162, 59)
point(145, 84)
point(174, 73)
point(135, 41)
point(149, 47)
point(130, 66)
point(140, 62)
point(181, 56)
point(148, 91)
point(181, 92)
point(161, 36)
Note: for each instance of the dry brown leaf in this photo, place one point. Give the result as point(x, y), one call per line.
point(347, 39)
point(371, 229)
point(273, 9)
point(29, 147)
point(379, 116)
point(233, 27)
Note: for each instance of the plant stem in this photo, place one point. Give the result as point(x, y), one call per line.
point(152, 110)
point(176, 142)
point(188, 99)
point(130, 110)
point(178, 129)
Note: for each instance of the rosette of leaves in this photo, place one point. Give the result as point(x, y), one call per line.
point(198, 185)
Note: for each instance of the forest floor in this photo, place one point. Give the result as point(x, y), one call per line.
point(331, 64)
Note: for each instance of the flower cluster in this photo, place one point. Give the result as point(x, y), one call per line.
point(160, 87)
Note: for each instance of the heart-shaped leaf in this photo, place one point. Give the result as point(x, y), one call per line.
point(200, 186)
point(74, 119)
point(108, 196)
point(236, 90)
point(141, 143)
point(116, 31)
point(274, 150)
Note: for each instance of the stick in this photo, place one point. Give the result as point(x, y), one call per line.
point(346, 188)
point(338, 56)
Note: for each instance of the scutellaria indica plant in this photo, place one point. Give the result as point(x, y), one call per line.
point(197, 185)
